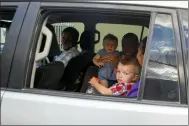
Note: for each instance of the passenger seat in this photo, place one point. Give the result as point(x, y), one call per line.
point(77, 66)
point(48, 76)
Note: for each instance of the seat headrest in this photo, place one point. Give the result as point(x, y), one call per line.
point(54, 50)
point(86, 40)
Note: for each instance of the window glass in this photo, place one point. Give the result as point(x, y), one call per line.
point(119, 30)
point(4, 27)
point(7, 15)
point(162, 74)
point(59, 27)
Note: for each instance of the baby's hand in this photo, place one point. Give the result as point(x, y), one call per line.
point(93, 80)
point(102, 58)
point(100, 64)
point(105, 59)
point(113, 57)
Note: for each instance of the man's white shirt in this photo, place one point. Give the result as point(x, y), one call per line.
point(65, 56)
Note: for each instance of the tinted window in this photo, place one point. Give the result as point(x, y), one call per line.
point(5, 22)
point(4, 28)
point(7, 15)
point(162, 75)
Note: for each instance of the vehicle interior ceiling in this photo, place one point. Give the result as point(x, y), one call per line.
point(91, 18)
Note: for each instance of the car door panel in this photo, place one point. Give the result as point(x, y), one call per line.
point(45, 110)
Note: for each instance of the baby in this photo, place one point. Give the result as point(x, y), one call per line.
point(107, 59)
point(126, 75)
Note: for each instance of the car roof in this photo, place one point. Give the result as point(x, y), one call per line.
point(170, 4)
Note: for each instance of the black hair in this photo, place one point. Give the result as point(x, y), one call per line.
point(74, 33)
point(130, 37)
point(111, 37)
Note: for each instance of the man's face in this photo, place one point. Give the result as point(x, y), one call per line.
point(67, 41)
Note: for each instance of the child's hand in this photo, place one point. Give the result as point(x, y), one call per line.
point(111, 58)
point(105, 59)
point(93, 80)
point(100, 64)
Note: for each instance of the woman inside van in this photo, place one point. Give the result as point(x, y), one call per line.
point(140, 57)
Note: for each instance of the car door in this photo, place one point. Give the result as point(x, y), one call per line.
point(12, 16)
point(25, 105)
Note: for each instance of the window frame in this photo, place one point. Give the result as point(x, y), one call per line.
point(19, 80)
point(184, 50)
point(11, 39)
point(179, 59)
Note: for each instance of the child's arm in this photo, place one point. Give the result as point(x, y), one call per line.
point(103, 90)
point(96, 60)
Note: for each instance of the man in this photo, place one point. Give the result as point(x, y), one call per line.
point(69, 40)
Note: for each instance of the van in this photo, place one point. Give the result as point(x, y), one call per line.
point(37, 91)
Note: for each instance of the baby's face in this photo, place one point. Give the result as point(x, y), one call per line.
point(110, 46)
point(126, 73)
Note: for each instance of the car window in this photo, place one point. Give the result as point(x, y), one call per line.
point(162, 74)
point(3, 36)
point(4, 27)
point(7, 15)
point(5, 23)
point(75, 67)
point(118, 30)
point(59, 27)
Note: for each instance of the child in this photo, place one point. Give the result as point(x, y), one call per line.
point(107, 59)
point(127, 74)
